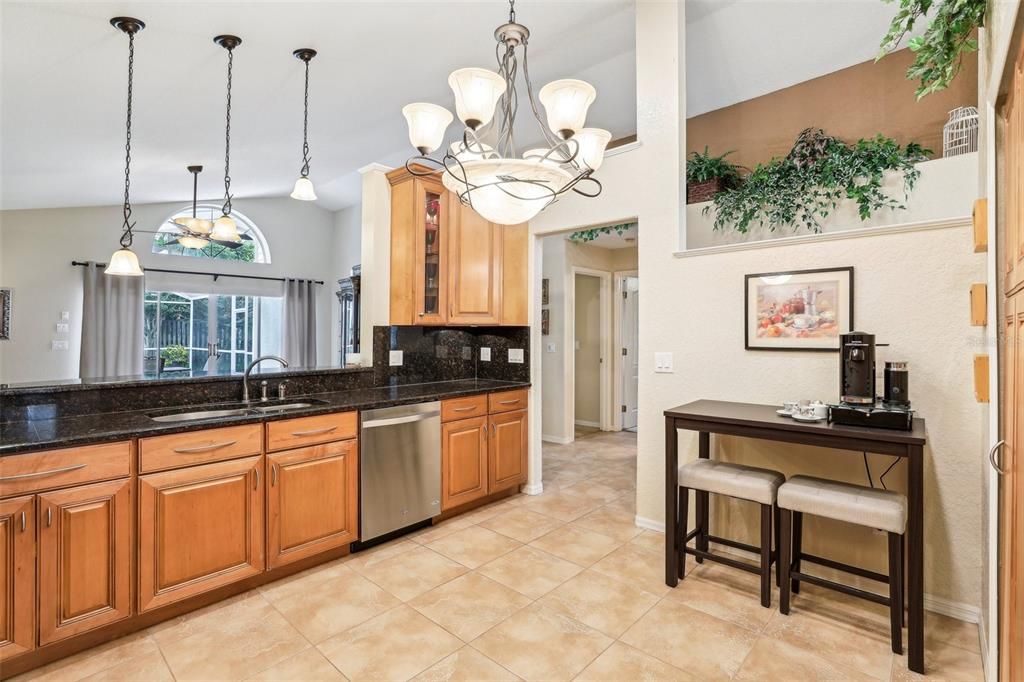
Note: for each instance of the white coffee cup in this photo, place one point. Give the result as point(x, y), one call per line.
point(820, 410)
point(789, 406)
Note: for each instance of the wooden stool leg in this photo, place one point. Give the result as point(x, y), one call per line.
point(896, 591)
point(797, 546)
point(766, 555)
point(903, 584)
point(778, 552)
point(701, 541)
point(785, 549)
point(684, 517)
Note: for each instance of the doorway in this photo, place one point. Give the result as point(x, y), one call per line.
point(589, 357)
point(627, 287)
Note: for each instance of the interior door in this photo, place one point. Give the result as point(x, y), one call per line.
point(630, 364)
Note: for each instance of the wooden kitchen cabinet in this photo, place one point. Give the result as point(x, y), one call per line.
point(463, 461)
point(17, 576)
point(85, 558)
point(312, 501)
point(474, 267)
point(507, 449)
point(200, 527)
point(515, 275)
point(419, 240)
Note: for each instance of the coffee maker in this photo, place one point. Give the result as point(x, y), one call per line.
point(857, 368)
point(858, 404)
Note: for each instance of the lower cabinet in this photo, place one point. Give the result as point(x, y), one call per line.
point(85, 558)
point(463, 461)
point(312, 500)
point(200, 527)
point(17, 576)
point(507, 450)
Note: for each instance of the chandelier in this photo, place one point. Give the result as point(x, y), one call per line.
point(482, 167)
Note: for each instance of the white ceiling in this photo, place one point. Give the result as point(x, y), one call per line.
point(64, 84)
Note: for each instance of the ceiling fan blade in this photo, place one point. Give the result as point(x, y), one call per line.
point(245, 237)
point(229, 245)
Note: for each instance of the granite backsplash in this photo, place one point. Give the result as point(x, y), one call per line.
point(449, 353)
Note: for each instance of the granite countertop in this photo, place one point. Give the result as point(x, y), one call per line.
point(26, 436)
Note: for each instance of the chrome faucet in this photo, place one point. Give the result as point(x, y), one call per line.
point(248, 371)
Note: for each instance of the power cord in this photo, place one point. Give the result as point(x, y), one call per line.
point(881, 479)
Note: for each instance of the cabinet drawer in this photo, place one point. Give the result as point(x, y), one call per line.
point(323, 428)
point(506, 401)
point(60, 468)
point(463, 408)
point(199, 447)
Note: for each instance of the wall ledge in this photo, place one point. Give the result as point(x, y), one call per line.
point(861, 232)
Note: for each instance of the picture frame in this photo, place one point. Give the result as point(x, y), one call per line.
point(798, 310)
point(545, 291)
point(6, 303)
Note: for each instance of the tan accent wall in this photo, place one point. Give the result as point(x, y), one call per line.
point(859, 101)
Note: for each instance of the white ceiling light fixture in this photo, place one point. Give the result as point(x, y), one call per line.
point(303, 190)
point(224, 228)
point(482, 167)
point(124, 262)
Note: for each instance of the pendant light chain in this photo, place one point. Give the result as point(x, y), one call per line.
point(126, 236)
point(227, 141)
point(511, 11)
point(305, 127)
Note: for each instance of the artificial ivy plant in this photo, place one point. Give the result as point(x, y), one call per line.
point(939, 51)
point(589, 235)
point(705, 167)
point(805, 186)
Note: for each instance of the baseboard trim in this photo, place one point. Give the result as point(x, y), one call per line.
point(558, 440)
point(593, 425)
point(649, 524)
point(535, 489)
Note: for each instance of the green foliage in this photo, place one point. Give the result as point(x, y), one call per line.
point(704, 167)
point(175, 356)
point(809, 183)
point(584, 236)
point(939, 52)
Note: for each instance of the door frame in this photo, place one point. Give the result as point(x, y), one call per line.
point(605, 324)
point(617, 364)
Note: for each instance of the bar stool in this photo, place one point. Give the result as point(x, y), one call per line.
point(741, 482)
point(884, 509)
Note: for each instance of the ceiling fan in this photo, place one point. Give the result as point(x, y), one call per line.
point(195, 232)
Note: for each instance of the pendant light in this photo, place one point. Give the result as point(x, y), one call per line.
point(124, 262)
point(224, 228)
point(303, 190)
point(196, 229)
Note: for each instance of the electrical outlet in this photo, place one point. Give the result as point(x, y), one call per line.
point(57, 344)
point(64, 316)
point(395, 358)
point(551, 348)
point(63, 328)
point(485, 354)
point(515, 356)
point(663, 363)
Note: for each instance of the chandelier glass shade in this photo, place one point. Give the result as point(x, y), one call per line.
point(482, 166)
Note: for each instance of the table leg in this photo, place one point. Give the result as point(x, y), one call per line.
point(671, 502)
point(703, 505)
point(915, 558)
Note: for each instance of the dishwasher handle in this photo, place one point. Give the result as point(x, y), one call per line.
point(392, 421)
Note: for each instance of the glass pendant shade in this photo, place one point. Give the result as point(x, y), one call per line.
point(511, 202)
point(592, 142)
point(427, 125)
point(303, 190)
point(225, 230)
point(124, 263)
point(477, 92)
point(566, 103)
point(190, 242)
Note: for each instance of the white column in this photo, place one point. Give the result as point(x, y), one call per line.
point(375, 253)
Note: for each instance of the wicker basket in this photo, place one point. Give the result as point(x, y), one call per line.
point(696, 192)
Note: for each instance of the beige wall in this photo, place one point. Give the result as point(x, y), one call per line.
point(588, 350)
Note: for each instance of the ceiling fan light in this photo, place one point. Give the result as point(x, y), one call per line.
point(592, 142)
point(225, 230)
point(185, 222)
point(190, 242)
point(201, 226)
point(566, 102)
point(477, 92)
point(427, 125)
point(303, 190)
point(124, 263)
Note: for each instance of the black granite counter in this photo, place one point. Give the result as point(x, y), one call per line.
point(39, 434)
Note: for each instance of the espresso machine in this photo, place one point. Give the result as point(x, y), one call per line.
point(858, 402)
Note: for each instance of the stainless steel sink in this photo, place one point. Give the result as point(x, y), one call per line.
point(200, 414)
point(284, 407)
point(237, 410)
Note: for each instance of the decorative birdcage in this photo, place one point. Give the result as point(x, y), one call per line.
point(960, 134)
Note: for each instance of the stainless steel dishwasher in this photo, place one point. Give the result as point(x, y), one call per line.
point(399, 467)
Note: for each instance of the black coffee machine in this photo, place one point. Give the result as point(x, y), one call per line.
point(858, 403)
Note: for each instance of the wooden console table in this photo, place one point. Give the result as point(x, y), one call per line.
point(760, 421)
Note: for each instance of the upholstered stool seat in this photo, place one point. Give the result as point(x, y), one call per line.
point(734, 480)
point(706, 476)
point(883, 509)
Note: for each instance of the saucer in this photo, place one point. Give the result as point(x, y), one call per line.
point(808, 420)
point(783, 413)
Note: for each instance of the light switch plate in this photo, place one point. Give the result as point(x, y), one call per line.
point(395, 358)
point(663, 363)
point(65, 316)
point(552, 348)
point(63, 328)
point(58, 345)
point(485, 354)
point(515, 356)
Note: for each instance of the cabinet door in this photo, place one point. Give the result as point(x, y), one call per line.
point(17, 576)
point(515, 276)
point(463, 461)
point(311, 501)
point(85, 557)
point(474, 267)
point(200, 528)
point(507, 450)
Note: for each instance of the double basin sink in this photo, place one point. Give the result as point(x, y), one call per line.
point(234, 410)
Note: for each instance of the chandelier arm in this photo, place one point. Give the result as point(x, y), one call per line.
point(126, 235)
point(590, 195)
point(463, 178)
point(425, 161)
point(548, 135)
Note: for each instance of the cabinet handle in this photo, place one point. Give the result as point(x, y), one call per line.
point(256, 483)
point(992, 457)
point(494, 430)
point(37, 474)
point(205, 448)
point(273, 474)
point(464, 409)
point(23, 522)
point(315, 432)
point(49, 516)
point(508, 402)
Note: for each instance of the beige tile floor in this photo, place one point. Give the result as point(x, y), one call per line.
point(558, 586)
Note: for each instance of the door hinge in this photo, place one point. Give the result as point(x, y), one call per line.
point(625, 294)
point(623, 408)
point(624, 351)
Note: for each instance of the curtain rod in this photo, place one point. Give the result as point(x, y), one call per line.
point(215, 275)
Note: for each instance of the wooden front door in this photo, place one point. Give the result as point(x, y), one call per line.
point(17, 576)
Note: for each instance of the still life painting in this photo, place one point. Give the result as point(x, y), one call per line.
point(798, 310)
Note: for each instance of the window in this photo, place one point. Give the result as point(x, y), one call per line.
point(253, 248)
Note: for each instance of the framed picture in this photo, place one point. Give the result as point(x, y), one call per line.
point(6, 296)
point(545, 291)
point(798, 310)
point(545, 322)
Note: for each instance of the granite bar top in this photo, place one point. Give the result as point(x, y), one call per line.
point(25, 436)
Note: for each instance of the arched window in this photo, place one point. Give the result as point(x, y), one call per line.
point(253, 248)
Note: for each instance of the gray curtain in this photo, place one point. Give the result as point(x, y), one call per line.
point(298, 344)
point(112, 320)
